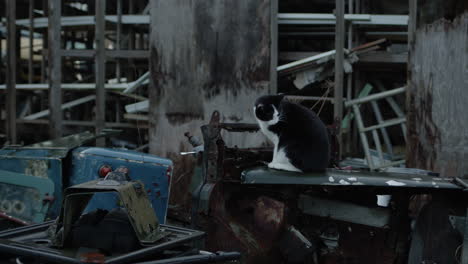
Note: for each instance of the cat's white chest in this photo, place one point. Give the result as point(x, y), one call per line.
point(280, 160)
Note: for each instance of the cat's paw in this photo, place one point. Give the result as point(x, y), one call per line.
point(282, 166)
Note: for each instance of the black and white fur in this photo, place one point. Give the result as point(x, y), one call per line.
point(300, 137)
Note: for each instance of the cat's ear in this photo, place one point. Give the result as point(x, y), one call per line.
point(281, 96)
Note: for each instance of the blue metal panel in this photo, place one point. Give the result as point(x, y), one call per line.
point(41, 163)
point(21, 196)
point(151, 170)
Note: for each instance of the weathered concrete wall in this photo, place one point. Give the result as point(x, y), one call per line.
point(438, 96)
point(206, 55)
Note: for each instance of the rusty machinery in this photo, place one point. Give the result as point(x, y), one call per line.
point(331, 217)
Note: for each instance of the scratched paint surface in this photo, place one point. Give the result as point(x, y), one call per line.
point(438, 96)
point(205, 55)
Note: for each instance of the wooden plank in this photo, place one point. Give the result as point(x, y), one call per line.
point(100, 68)
point(339, 72)
point(55, 68)
point(11, 71)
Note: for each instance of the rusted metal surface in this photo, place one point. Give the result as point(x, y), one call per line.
point(216, 55)
point(437, 94)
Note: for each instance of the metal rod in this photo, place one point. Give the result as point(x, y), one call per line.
point(339, 72)
point(387, 123)
point(31, 40)
point(100, 68)
point(62, 107)
point(84, 123)
point(365, 143)
point(134, 85)
point(69, 86)
point(383, 131)
point(376, 96)
point(395, 107)
point(55, 68)
point(119, 36)
point(378, 145)
point(11, 71)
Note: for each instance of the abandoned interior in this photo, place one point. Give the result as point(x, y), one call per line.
point(127, 133)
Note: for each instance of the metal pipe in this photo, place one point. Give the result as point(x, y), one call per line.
point(339, 71)
point(31, 39)
point(376, 96)
point(11, 71)
point(62, 107)
point(387, 123)
point(386, 138)
point(68, 86)
point(365, 144)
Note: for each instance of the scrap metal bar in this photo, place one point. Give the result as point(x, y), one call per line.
point(376, 96)
point(309, 98)
point(84, 123)
point(134, 85)
point(306, 60)
point(386, 138)
point(339, 71)
point(137, 107)
point(55, 68)
point(112, 54)
point(64, 106)
point(119, 36)
point(11, 71)
point(364, 142)
point(68, 86)
point(329, 19)
point(31, 40)
point(395, 107)
point(100, 68)
point(378, 145)
point(390, 122)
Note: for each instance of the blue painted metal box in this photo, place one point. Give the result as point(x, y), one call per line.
point(154, 172)
point(61, 163)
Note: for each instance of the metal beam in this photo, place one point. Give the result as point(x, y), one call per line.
point(62, 107)
point(119, 36)
point(100, 68)
point(11, 71)
point(55, 68)
point(69, 86)
point(31, 40)
point(339, 71)
point(112, 54)
point(85, 123)
point(376, 96)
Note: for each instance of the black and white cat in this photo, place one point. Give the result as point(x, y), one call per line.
point(300, 137)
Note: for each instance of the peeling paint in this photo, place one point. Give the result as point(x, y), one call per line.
point(331, 179)
point(352, 179)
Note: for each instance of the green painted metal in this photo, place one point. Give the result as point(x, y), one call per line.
point(332, 177)
point(132, 196)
